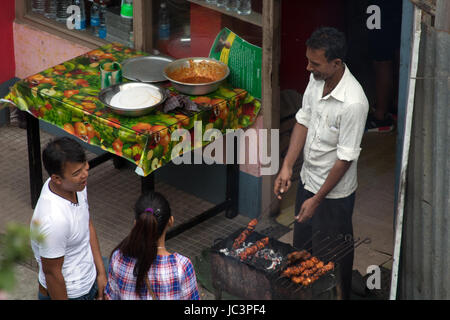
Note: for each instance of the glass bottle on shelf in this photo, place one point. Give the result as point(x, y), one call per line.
point(61, 10)
point(95, 18)
point(80, 22)
point(50, 9)
point(163, 27)
point(131, 40)
point(231, 5)
point(244, 7)
point(38, 6)
point(221, 3)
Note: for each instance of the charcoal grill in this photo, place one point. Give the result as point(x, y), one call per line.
point(251, 279)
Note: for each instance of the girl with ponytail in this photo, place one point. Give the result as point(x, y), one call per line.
point(140, 267)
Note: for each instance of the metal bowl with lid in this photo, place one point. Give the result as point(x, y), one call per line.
point(197, 75)
point(132, 99)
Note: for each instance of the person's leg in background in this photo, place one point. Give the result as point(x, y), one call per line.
point(384, 47)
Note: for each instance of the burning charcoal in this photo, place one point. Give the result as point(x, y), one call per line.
point(272, 266)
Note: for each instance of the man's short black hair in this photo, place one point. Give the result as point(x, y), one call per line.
point(331, 40)
point(59, 151)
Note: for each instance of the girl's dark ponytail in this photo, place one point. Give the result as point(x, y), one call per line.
point(152, 213)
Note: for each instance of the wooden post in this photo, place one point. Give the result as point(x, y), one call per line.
point(271, 21)
point(442, 21)
point(142, 25)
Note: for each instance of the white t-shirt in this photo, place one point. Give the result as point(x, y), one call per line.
point(335, 128)
point(65, 227)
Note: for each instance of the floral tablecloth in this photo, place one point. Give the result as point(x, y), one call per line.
point(66, 96)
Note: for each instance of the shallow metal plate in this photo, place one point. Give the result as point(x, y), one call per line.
point(145, 69)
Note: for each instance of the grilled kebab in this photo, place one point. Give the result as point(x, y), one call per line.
point(254, 248)
point(244, 234)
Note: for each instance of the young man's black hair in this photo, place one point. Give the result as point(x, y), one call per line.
point(59, 151)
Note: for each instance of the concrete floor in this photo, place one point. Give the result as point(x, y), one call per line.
point(112, 193)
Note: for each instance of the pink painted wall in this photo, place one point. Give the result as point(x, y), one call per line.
point(6, 40)
point(253, 169)
point(35, 50)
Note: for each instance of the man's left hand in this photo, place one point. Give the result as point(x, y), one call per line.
point(101, 283)
point(307, 210)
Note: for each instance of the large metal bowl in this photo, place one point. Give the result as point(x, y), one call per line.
point(195, 88)
point(107, 94)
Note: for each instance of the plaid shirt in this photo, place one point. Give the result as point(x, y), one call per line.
point(171, 277)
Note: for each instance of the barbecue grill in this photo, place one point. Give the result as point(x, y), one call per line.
point(259, 277)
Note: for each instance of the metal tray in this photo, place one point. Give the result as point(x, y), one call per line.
point(107, 94)
point(145, 69)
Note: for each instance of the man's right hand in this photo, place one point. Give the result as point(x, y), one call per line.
point(282, 182)
point(296, 143)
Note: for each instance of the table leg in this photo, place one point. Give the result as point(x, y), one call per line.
point(148, 183)
point(232, 188)
point(34, 158)
point(232, 193)
point(119, 162)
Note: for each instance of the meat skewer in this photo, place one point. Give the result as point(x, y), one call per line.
point(254, 248)
point(300, 268)
point(311, 275)
point(298, 255)
point(307, 268)
point(244, 234)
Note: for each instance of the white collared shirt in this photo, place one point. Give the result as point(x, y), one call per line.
point(335, 128)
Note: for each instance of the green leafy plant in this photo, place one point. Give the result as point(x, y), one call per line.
point(14, 248)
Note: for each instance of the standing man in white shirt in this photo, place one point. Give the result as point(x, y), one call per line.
point(329, 130)
point(69, 259)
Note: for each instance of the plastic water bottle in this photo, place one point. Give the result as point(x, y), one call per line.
point(102, 15)
point(163, 22)
point(38, 6)
point(50, 9)
point(80, 22)
point(95, 18)
point(61, 10)
point(163, 28)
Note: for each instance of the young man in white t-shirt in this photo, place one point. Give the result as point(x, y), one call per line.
point(69, 259)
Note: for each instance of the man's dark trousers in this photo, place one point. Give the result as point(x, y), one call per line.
point(332, 218)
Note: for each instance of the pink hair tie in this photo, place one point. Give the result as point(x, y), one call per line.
point(149, 210)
